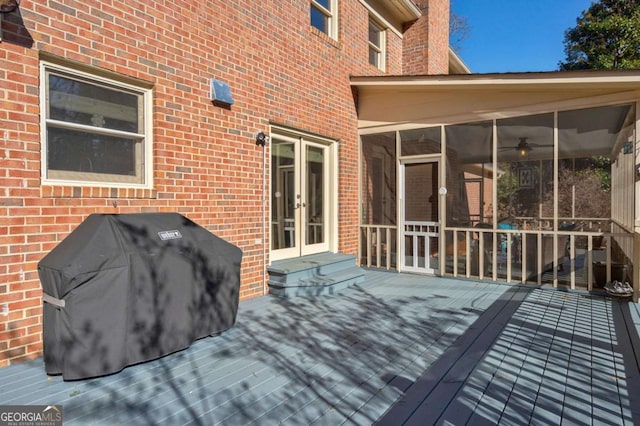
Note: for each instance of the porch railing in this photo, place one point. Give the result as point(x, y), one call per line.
point(576, 259)
point(572, 258)
point(378, 246)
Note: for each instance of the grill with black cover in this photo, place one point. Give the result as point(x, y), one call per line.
point(126, 288)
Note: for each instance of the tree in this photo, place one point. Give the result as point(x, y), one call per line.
point(508, 189)
point(580, 192)
point(606, 36)
point(458, 30)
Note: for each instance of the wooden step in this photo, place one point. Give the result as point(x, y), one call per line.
point(314, 275)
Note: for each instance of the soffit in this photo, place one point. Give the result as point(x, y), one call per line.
point(402, 10)
point(393, 13)
point(405, 9)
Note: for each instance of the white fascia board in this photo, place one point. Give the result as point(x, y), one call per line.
point(604, 78)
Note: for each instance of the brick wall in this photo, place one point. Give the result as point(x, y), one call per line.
point(426, 41)
point(206, 164)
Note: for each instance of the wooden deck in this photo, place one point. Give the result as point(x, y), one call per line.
point(396, 349)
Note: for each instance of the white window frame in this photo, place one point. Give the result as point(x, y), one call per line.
point(144, 178)
point(381, 50)
point(331, 14)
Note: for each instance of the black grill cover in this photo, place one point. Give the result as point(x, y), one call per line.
point(122, 289)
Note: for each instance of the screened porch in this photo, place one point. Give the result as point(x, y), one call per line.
point(545, 196)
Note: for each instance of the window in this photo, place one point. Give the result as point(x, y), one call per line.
point(94, 129)
point(376, 44)
point(323, 16)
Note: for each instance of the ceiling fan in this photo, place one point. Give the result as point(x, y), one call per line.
point(524, 147)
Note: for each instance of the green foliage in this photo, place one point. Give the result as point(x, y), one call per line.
point(602, 169)
point(606, 36)
point(508, 188)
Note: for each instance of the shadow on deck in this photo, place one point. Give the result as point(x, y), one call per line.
point(397, 348)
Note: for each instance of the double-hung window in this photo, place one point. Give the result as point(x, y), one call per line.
point(95, 129)
point(377, 42)
point(324, 16)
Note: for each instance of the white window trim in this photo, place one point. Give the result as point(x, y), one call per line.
point(332, 16)
point(382, 49)
point(147, 109)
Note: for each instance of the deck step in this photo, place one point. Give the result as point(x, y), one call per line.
point(314, 275)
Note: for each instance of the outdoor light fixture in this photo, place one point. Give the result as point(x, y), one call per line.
point(8, 6)
point(261, 139)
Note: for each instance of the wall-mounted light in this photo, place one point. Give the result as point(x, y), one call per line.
point(8, 6)
point(261, 139)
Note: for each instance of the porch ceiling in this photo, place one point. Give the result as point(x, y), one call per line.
point(446, 99)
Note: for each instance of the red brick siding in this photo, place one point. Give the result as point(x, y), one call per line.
point(426, 41)
point(205, 161)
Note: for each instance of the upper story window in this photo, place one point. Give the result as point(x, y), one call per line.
point(94, 129)
point(377, 43)
point(324, 16)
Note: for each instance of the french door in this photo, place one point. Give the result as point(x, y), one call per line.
point(420, 213)
point(300, 197)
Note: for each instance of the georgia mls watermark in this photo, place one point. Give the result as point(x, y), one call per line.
point(30, 415)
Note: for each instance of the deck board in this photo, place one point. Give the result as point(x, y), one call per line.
point(559, 358)
point(438, 350)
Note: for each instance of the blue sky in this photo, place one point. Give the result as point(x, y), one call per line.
point(516, 35)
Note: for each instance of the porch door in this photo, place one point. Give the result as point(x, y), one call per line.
point(299, 197)
point(420, 225)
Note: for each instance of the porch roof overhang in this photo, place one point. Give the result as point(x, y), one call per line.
point(412, 101)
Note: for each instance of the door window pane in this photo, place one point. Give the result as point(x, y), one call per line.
point(421, 192)
point(283, 195)
point(315, 195)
